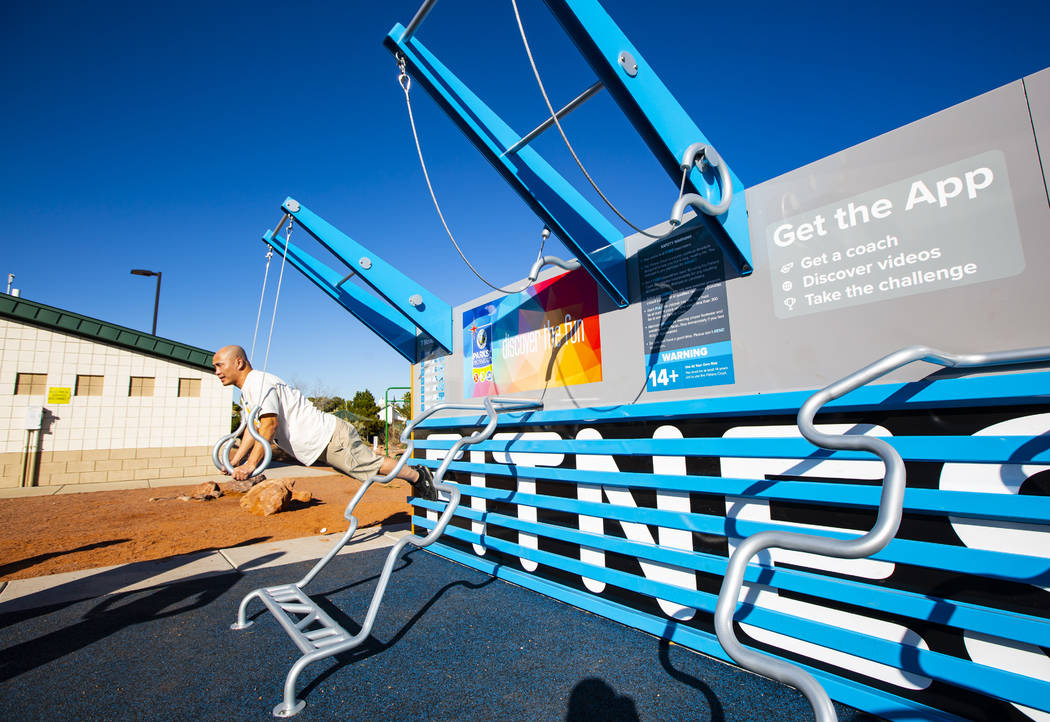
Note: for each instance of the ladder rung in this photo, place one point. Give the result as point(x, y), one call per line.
point(294, 601)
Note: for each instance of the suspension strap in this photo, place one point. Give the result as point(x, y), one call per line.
point(262, 295)
point(405, 82)
point(572, 151)
point(276, 298)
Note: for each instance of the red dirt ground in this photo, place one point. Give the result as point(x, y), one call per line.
point(61, 533)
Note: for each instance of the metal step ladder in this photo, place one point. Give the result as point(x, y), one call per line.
point(315, 633)
point(887, 521)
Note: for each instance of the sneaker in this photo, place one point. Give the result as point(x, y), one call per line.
point(424, 487)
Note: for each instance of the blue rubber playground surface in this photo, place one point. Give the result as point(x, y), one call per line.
point(449, 643)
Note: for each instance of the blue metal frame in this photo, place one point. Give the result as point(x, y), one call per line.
point(648, 104)
point(961, 449)
point(395, 330)
point(569, 215)
point(493, 526)
point(432, 315)
point(659, 119)
point(968, 392)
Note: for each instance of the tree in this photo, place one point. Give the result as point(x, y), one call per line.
point(328, 404)
point(405, 407)
point(364, 412)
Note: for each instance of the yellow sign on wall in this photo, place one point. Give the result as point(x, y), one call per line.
point(59, 394)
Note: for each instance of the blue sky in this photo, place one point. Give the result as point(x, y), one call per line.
point(165, 136)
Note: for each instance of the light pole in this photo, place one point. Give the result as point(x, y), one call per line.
point(156, 300)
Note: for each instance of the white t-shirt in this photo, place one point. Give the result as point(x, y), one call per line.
point(302, 429)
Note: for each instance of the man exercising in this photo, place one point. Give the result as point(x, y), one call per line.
point(303, 430)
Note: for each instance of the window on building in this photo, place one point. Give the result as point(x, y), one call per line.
point(141, 386)
point(190, 387)
point(88, 385)
point(30, 384)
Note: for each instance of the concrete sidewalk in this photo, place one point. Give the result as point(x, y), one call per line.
point(45, 591)
point(277, 471)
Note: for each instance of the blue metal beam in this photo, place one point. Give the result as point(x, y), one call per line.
point(395, 330)
point(661, 121)
point(412, 301)
point(569, 215)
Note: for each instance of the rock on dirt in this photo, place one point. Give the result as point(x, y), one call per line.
point(207, 490)
point(204, 492)
point(272, 496)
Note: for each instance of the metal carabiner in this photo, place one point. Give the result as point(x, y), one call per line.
point(403, 77)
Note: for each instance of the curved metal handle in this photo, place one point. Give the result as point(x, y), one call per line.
point(388, 566)
point(702, 154)
point(489, 407)
point(886, 524)
point(253, 418)
point(542, 261)
point(220, 453)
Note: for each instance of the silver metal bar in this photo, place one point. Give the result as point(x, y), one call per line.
point(284, 219)
point(418, 19)
point(290, 598)
point(887, 520)
point(569, 107)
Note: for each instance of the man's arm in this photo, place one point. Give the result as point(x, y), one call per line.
point(267, 429)
point(241, 451)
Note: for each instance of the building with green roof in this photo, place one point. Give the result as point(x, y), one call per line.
point(84, 401)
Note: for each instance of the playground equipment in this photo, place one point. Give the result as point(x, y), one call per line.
point(220, 453)
point(316, 634)
point(671, 364)
point(890, 509)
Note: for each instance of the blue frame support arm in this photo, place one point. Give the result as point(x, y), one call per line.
point(582, 229)
point(655, 113)
point(395, 330)
point(409, 299)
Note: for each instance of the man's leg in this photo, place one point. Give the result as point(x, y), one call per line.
point(420, 477)
point(350, 455)
point(408, 473)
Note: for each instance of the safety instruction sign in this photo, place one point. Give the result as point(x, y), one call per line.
point(430, 380)
point(949, 227)
point(685, 318)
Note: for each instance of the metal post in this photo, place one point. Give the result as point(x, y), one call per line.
point(386, 416)
point(419, 17)
point(25, 459)
point(156, 304)
point(156, 299)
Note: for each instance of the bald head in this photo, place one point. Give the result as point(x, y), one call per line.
point(231, 365)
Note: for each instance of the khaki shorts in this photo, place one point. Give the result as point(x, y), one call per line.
point(347, 453)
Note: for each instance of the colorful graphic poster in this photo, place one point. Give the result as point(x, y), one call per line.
point(548, 335)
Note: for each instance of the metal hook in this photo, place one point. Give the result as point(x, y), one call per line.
point(403, 77)
point(703, 155)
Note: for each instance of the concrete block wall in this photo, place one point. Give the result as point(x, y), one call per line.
point(104, 438)
point(96, 466)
